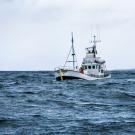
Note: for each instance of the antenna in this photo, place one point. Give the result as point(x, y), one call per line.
point(94, 41)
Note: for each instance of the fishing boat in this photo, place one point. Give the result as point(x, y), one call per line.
point(92, 67)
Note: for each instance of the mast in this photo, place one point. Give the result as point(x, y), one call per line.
point(94, 45)
point(94, 40)
point(73, 51)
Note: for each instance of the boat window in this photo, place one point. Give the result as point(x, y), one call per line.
point(85, 67)
point(102, 71)
point(93, 66)
point(89, 67)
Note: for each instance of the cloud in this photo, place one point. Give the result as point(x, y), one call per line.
point(4, 1)
point(37, 32)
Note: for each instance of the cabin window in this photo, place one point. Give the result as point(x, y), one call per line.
point(89, 67)
point(85, 67)
point(93, 66)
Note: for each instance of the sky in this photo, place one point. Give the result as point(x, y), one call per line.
point(36, 34)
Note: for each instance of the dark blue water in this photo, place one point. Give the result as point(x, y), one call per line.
point(34, 103)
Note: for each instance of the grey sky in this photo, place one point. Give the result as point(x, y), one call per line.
point(35, 34)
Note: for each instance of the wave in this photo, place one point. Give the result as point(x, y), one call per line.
point(1, 87)
point(7, 121)
point(121, 94)
point(131, 80)
point(39, 103)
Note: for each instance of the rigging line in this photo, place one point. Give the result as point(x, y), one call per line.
point(72, 53)
point(76, 60)
point(68, 56)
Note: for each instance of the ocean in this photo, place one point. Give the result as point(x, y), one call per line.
point(34, 103)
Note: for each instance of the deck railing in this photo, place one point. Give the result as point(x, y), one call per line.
point(66, 68)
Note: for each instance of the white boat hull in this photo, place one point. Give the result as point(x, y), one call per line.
point(73, 74)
